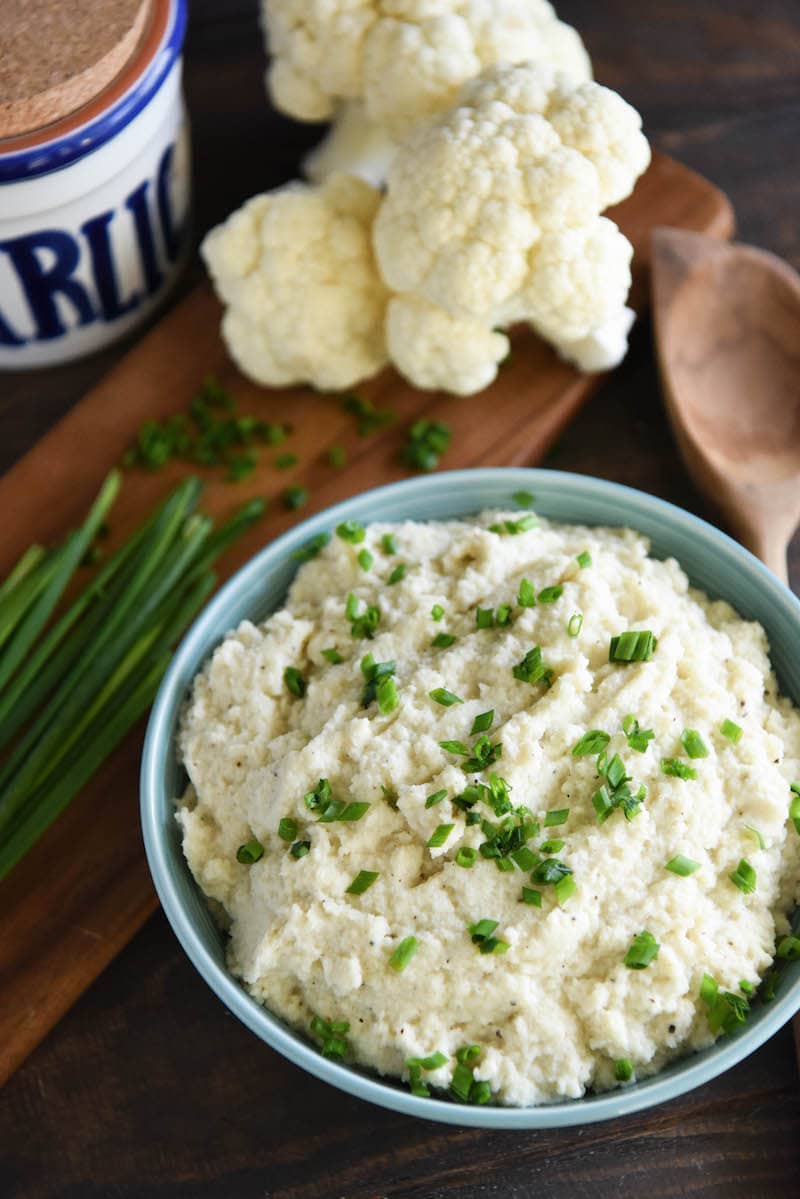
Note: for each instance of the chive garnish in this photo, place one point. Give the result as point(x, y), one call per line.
point(744, 877)
point(549, 595)
point(794, 806)
point(437, 611)
point(287, 829)
point(294, 681)
point(637, 738)
point(503, 615)
point(550, 870)
point(311, 548)
point(757, 835)
point(643, 950)
point(319, 796)
point(455, 747)
point(551, 846)
point(284, 461)
point(526, 597)
point(565, 888)
point(362, 624)
point(466, 857)
point(398, 573)
point(337, 455)
point(439, 836)
point(482, 723)
point(555, 817)
point(481, 934)
point(250, 852)
point(532, 669)
point(677, 769)
point(584, 559)
point(295, 497)
point(788, 948)
point(351, 531)
point(574, 624)
point(591, 742)
point(403, 953)
point(443, 640)
point(632, 646)
point(426, 441)
point(300, 849)
point(523, 525)
point(331, 1035)
point(365, 559)
point(435, 798)
point(389, 543)
point(623, 1069)
point(332, 655)
point(524, 858)
point(731, 730)
point(441, 695)
point(532, 897)
point(338, 809)
point(362, 882)
point(727, 1011)
point(525, 499)
point(484, 617)
point(694, 744)
point(708, 989)
point(682, 866)
point(369, 419)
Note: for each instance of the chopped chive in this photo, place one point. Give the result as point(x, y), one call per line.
point(794, 806)
point(637, 738)
point(311, 548)
point(461, 1083)
point(437, 611)
point(319, 796)
point(788, 948)
point(694, 744)
point(574, 624)
point(755, 833)
point(565, 888)
point(484, 617)
point(532, 669)
point(632, 646)
point(433, 1062)
point(362, 882)
point(523, 525)
point(503, 615)
point(731, 730)
point(443, 640)
point(744, 877)
point(389, 543)
point(441, 695)
point(362, 624)
point(550, 870)
point(551, 846)
point(623, 1070)
point(549, 595)
point(482, 723)
point(769, 985)
point(727, 1012)
point(584, 559)
point(386, 694)
point(426, 441)
point(295, 497)
point(682, 865)
point(677, 769)
point(532, 897)
point(439, 836)
point(555, 817)
point(403, 953)
point(398, 573)
point(331, 1035)
point(482, 929)
point(455, 747)
point(643, 950)
point(337, 455)
point(284, 461)
point(332, 655)
point(525, 499)
point(294, 681)
point(365, 559)
point(352, 531)
point(603, 804)
point(354, 811)
point(435, 798)
point(524, 857)
point(369, 419)
point(746, 987)
point(250, 852)
point(466, 857)
point(591, 742)
point(708, 989)
point(526, 597)
point(468, 1054)
point(300, 849)
point(287, 829)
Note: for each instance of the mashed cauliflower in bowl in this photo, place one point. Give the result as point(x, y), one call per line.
point(496, 807)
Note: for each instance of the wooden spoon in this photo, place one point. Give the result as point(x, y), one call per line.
point(727, 322)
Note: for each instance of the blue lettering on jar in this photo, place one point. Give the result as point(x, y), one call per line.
point(45, 263)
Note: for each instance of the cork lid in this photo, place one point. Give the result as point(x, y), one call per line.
point(56, 56)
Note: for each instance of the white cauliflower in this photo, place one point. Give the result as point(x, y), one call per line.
point(305, 301)
point(491, 217)
point(492, 214)
point(380, 66)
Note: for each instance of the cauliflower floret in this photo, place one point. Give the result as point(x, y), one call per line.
point(435, 350)
point(305, 301)
point(492, 213)
point(401, 61)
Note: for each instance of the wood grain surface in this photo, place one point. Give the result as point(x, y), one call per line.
point(148, 1089)
point(84, 889)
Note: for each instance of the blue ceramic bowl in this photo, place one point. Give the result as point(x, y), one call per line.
point(713, 562)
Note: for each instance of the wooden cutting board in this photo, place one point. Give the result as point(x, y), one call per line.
point(84, 890)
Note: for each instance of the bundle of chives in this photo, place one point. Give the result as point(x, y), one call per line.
point(71, 688)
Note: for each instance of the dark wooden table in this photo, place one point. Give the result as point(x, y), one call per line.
point(148, 1089)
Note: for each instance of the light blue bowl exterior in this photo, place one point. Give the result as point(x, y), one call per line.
point(713, 561)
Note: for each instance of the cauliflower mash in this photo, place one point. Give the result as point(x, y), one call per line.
point(497, 806)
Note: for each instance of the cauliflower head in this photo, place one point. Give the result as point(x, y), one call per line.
point(380, 66)
point(492, 215)
point(305, 302)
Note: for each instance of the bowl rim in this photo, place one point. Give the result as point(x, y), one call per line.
point(691, 1071)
